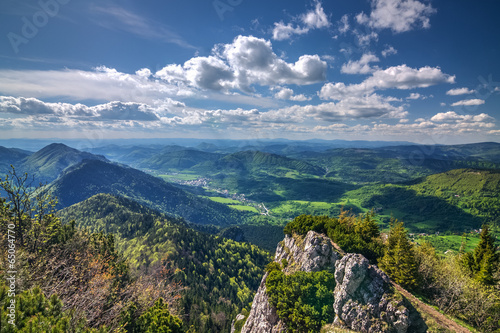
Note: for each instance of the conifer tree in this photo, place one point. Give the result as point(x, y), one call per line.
point(485, 258)
point(399, 258)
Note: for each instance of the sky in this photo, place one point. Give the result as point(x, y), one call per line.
point(426, 71)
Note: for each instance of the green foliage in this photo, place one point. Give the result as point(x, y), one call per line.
point(484, 261)
point(222, 274)
point(36, 313)
point(473, 191)
point(302, 300)
point(399, 257)
point(353, 234)
point(158, 319)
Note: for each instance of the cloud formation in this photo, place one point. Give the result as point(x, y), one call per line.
point(396, 77)
point(361, 66)
point(313, 19)
point(460, 91)
point(246, 61)
point(397, 15)
point(469, 102)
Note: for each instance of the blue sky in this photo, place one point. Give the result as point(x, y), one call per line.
point(414, 70)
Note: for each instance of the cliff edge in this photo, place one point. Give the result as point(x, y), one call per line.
point(364, 299)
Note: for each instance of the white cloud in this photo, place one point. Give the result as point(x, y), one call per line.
point(361, 66)
point(414, 96)
point(284, 31)
point(288, 94)
point(101, 84)
point(404, 77)
point(367, 107)
point(454, 117)
point(460, 91)
point(397, 77)
point(389, 50)
point(316, 19)
point(344, 24)
point(235, 66)
point(397, 15)
point(469, 102)
point(364, 39)
point(246, 61)
point(102, 112)
point(313, 19)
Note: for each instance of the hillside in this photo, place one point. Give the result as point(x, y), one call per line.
point(220, 275)
point(474, 191)
point(46, 164)
point(10, 156)
point(92, 177)
point(177, 159)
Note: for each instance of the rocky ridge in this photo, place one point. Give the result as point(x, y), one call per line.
point(364, 299)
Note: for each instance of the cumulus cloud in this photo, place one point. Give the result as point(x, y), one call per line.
point(313, 19)
point(246, 61)
point(361, 66)
point(414, 96)
point(404, 77)
point(288, 94)
point(397, 15)
point(231, 67)
point(397, 77)
point(469, 102)
point(460, 91)
point(454, 117)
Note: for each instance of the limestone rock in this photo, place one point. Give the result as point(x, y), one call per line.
point(314, 252)
point(363, 298)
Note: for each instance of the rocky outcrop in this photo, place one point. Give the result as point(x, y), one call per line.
point(311, 253)
point(364, 300)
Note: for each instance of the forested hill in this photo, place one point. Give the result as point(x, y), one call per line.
point(256, 160)
point(46, 164)
point(177, 159)
point(475, 191)
point(220, 275)
point(10, 156)
point(92, 177)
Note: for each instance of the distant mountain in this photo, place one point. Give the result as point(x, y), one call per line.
point(260, 162)
point(91, 177)
point(10, 156)
point(400, 163)
point(177, 159)
point(46, 164)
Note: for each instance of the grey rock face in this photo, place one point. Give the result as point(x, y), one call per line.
point(363, 302)
point(311, 253)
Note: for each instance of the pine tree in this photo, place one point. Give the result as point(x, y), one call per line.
point(485, 258)
point(399, 258)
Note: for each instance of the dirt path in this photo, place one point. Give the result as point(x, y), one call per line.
point(436, 315)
